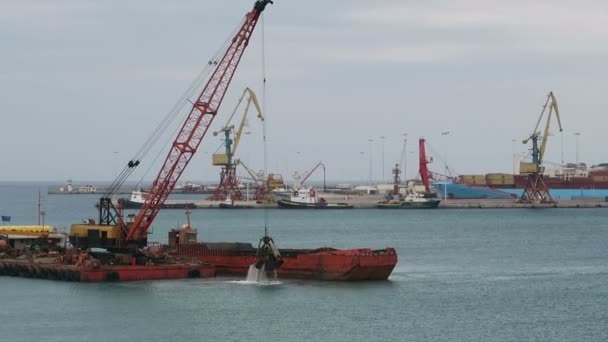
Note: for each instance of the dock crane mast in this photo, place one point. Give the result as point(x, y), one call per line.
point(536, 191)
point(423, 168)
point(134, 234)
point(229, 184)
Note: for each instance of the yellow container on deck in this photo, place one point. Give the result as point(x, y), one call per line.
point(599, 178)
point(500, 179)
point(474, 179)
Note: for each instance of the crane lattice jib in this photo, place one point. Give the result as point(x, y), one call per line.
point(195, 126)
point(307, 174)
point(250, 172)
point(239, 132)
point(549, 107)
point(552, 108)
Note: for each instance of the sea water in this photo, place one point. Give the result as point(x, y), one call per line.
point(463, 275)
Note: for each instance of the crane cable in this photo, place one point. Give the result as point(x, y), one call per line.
point(450, 172)
point(170, 118)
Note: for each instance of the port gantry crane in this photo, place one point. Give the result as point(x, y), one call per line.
point(229, 184)
point(536, 191)
point(112, 231)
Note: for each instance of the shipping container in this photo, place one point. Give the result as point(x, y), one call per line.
point(598, 178)
point(474, 179)
point(500, 179)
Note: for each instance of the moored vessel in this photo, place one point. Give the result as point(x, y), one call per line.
point(412, 200)
point(137, 200)
point(409, 197)
point(230, 204)
point(569, 181)
point(308, 199)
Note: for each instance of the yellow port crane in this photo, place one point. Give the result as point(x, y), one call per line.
point(536, 190)
point(538, 153)
point(228, 186)
point(231, 146)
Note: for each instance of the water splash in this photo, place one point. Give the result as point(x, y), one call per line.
point(255, 275)
point(258, 277)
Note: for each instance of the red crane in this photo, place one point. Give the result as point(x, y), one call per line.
point(203, 111)
point(424, 170)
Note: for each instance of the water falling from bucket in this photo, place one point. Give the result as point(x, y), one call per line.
point(254, 275)
point(260, 276)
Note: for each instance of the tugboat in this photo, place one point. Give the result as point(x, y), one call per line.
point(308, 199)
point(412, 199)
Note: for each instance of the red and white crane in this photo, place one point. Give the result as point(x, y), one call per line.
point(195, 126)
point(203, 111)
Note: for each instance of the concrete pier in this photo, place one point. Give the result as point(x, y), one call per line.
point(369, 202)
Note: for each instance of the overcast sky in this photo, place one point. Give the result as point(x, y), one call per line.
point(84, 83)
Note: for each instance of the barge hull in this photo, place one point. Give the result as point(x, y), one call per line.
point(53, 271)
point(321, 264)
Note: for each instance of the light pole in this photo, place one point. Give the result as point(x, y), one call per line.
point(577, 134)
point(445, 162)
point(299, 162)
point(371, 168)
point(404, 156)
point(362, 160)
point(383, 175)
point(514, 141)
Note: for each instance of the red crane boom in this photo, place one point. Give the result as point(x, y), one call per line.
point(203, 111)
point(424, 170)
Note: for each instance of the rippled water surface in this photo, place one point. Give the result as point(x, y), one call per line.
point(463, 275)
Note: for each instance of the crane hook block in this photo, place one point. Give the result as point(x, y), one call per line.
point(260, 5)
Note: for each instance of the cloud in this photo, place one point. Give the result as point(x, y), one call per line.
point(462, 31)
point(34, 15)
point(554, 16)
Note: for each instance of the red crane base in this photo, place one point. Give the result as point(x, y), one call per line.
point(536, 191)
point(229, 186)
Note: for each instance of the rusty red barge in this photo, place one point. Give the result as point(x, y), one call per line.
point(58, 271)
point(234, 259)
